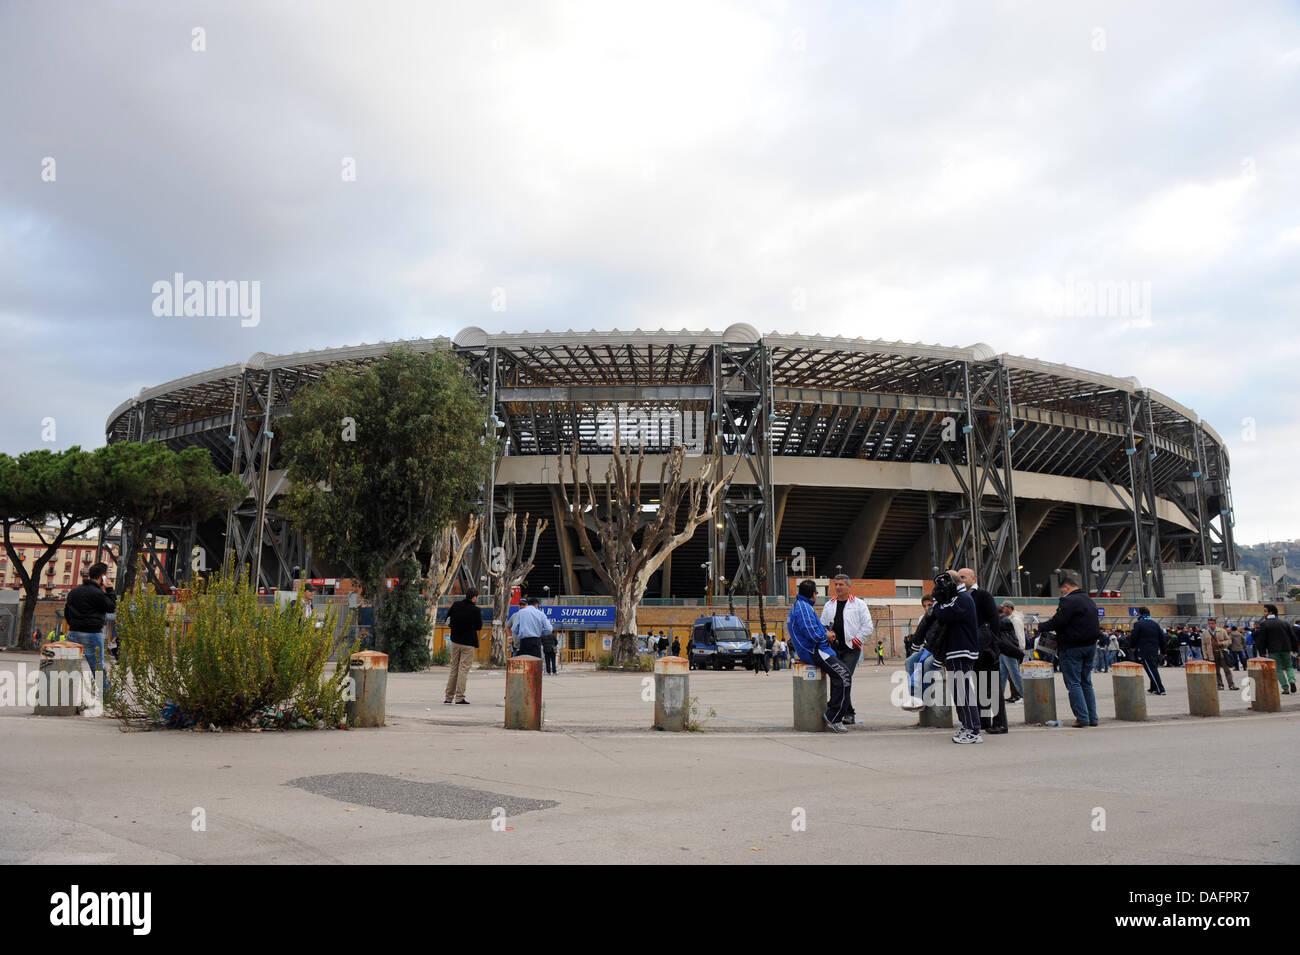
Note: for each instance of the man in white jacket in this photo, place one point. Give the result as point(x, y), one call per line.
point(848, 619)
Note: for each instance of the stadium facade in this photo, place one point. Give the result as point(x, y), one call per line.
point(883, 459)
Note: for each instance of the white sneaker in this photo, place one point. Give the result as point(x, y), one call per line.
point(913, 703)
point(959, 736)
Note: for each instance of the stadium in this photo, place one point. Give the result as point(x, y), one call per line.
point(883, 460)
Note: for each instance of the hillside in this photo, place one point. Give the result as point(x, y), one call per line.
point(1254, 558)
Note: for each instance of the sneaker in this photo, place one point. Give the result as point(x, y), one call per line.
point(463, 702)
point(1019, 699)
point(966, 736)
point(957, 737)
point(834, 727)
point(446, 702)
point(913, 703)
point(1292, 687)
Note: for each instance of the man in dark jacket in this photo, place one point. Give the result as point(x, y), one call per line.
point(84, 612)
point(1276, 639)
point(955, 609)
point(988, 671)
point(1147, 640)
point(1077, 630)
point(465, 620)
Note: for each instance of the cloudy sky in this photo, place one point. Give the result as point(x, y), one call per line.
point(935, 172)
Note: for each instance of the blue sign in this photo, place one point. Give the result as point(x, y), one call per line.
point(1101, 611)
point(577, 617)
point(1132, 611)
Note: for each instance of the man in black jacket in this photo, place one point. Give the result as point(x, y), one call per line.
point(1147, 639)
point(85, 610)
point(988, 669)
point(465, 620)
point(1274, 638)
point(1077, 629)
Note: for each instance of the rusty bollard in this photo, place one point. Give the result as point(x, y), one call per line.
point(1202, 691)
point(1040, 691)
point(60, 685)
point(368, 675)
point(524, 693)
point(809, 698)
point(672, 693)
point(1129, 680)
point(1266, 692)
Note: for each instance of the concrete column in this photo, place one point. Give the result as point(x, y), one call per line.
point(60, 688)
point(811, 695)
point(1202, 691)
point(524, 693)
point(561, 526)
point(1130, 692)
point(672, 693)
point(854, 548)
point(368, 673)
point(1266, 692)
point(937, 711)
point(1040, 691)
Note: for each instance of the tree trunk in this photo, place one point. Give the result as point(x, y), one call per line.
point(624, 643)
point(31, 591)
point(379, 640)
point(498, 641)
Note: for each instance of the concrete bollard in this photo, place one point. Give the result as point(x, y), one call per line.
point(1263, 680)
point(1130, 691)
point(524, 693)
point(1202, 691)
point(1040, 691)
point(810, 698)
point(368, 671)
point(937, 712)
point(672, 693)
point(59, 685)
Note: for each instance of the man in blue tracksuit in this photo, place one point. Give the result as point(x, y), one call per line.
point(955, 608)
point(1147, 637)
point(808, 642)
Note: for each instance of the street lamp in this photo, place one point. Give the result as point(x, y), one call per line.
point(560, 576)
point(547, 588)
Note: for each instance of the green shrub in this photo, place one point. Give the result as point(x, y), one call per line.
point(226, 660)
point(642, 663)
point(441, 658)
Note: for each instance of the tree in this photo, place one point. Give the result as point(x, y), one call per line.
point(508, 567)
point(447, 552)
point(634, 544)
point(381, 459)
point(1293, 593)
point(57, 495)
point(146, 485)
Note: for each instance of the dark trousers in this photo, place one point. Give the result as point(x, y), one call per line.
point(990, 685)
point(849, 659)
point(1149, 657)
point(1222, 666)
point(841, 682)
point(550, 658)
point(965, 697)
point(529, 647)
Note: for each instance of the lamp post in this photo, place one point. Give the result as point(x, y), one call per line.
point(560, 577)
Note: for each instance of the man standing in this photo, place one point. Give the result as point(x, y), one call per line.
point(955, 609)
point(1077, 628)
point(1273, 638)
point(550, 643)
point(529, 625)
point(85, 610)
point(1146, 641)
point(1010, 666)
point(808, 642)
point(677, 647)
point(1215, 641)
point(1237, 647)
point(465, 619)
point(849, 619)
point(758, 653)
point(993, 715)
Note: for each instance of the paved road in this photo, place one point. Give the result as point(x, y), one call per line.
point(599, 786)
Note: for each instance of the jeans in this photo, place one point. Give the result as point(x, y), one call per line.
point(549, 663)
point(1101, 660)
point(93, 646)
point(1197, 654)
point(1183, 653)
point(918, 669)
point(1010, 668)
point(1076, 668)
point(1238, 659)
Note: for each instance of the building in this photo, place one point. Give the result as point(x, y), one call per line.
point(884, 459)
